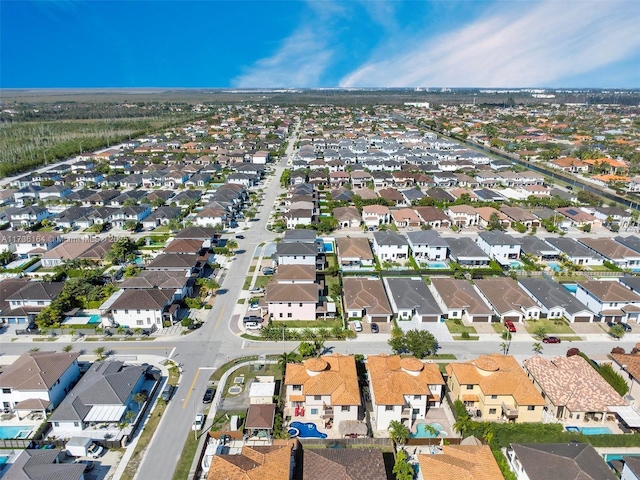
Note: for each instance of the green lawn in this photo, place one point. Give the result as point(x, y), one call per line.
point(262, 280)
point(498, 327)
point(162, 229)
point(459, 327)
point(551, 327)
point(252, 268)
point(241, 301)
point(599, 268)
point(310, 323)
point(471, 338)
point(186, 457)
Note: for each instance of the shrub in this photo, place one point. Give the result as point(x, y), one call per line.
point(465, 336)
point(573, 351)
point(618, 350)
point(614, 379)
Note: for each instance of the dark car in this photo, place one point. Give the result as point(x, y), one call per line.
point(627, 328)
point(208, 395)
point(551, 340)
point(374, 328)
point(241, 237)
point(510, 326)
point(194, 326)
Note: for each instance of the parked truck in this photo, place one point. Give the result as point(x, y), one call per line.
point(83, 447)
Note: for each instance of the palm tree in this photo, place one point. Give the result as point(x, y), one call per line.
point(504, 346)
point(398, 432)
point(67, 348)
point(284, 358)
point(462, 425)
point(537, 348)
point(100, 353)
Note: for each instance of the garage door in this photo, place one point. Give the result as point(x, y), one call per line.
point(512, 318)
point(480, 318)
point(582, 319)
point(379, 319)
point(430, 318)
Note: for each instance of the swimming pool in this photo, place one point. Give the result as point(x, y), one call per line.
point(327, 247)
point(554, 266)
point(82, 320)
point(14, 432)
point(437, 265)
point(423, 432)
point(590, 430)
point(572, 287)
point(516, 265)
point(618, 456)
point(3, 459)
point(305, 430)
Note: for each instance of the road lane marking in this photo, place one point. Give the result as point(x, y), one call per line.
point(219, 318)
point(193, 384)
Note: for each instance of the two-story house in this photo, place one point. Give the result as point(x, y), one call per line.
point(390, 246)
point(495, 388)
point(25, 303)
point(402, 389)
point(507, 299)
point(354, 253)
point(323, 390)
point(610, 300)
point(500, 246)
point(375, 215)
point(427, 245)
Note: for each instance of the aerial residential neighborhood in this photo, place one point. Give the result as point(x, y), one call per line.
point(324, 291)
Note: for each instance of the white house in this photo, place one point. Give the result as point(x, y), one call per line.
point(37, 381)
point(296, 253)
point(261, 157)
point(136, 308)
point(375, 215)
point(427, 245)
point(610, 300)
point(499, 246)
point(28, 244)
point(402, 389)
point(390, 246)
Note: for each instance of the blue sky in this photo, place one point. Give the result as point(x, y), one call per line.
point(321, 43)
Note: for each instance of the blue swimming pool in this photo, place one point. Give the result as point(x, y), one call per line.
point(516, 265)
point(590, 430)
point(423, 432)
point(572, 287)
point(14, 432)
point(3, 459)
point(437, 265)
point(618, 456)
point(554, 266)
point(327, 247)
point(305, 430)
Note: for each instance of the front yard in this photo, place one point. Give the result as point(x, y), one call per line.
point(551, 327)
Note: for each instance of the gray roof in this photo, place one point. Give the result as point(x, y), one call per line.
point(296, 248)
point(105, 383)
point(571, 247)
point(495, 237)
point(551, 294)
point(464, 247)
point(562, 461)
point(299, 235)
point(427, 237)
point(389, 238)
point(412, 293)
point(535, 246)
point(41, 465)
point(631, 242)
point(632, 283)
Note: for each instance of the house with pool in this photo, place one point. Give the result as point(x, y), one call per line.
point(354, 253)
point(323, 391)
point(572, 389)
point(610, 300)
point(402, 389)
point(37, 382)
point(507, 299)
point(495, 388)
point(555, 300)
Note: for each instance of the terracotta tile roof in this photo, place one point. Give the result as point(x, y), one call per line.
point(392, 377)
point(365, 293)
point(460, 462)
point(343, 464)
point(569, 162)
point(338, 378)
point(254, 463)
point(375, 209)
point(354, 248)
point(497, 374)
point(573, 383)
point(631, 360)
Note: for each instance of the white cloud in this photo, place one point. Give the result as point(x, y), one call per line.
point(533, 44)
point(300, 62)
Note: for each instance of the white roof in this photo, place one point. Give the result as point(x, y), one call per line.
point(105, 413)
point(262, 389)
point(629, 414)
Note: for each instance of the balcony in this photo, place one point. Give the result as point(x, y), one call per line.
point(509, 412)
point(406, 412)
point(328, 412)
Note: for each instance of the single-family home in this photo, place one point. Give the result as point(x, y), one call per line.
point(575, 252)
point(613, 251)
point(296, 253)
point(323, 390)
point(507, 299)
point(349, 464)
point(537, 248)
point(555, 300)
point(140, 308)
point(517, 214)
point(610, 300)
point(28, 244)
point(500, 246)
point(375, 215)
point(176, 282)
point(35, 464)
point(411, 299)
point(210, 216)
point(462, 215)
point(458, 299)
point(402, 389)
point(103, 396)
point(390, 246)
point(542, 461)
point(433, 217)
point(365, 298)
point(37, 381)
point(347, 217)
point(25, 300)
point(466, 252)
point(405, 217)
point(572, 388)
point(27, 217)
point(354, 253)
point(495, 388)
point(272, 462)
point(468, 462)
point(427, 245)
point(579, 218)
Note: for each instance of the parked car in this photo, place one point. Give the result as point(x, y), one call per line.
point(88, 464)
point(95, 450)
point(240, 237)
point(551, 340)
point(198, 423)
point(208, 395)
point(357, 326)
point(167, 392)
point(256, 290)
point(268, 271)
point(510, 326)
point(194, 326)
point(627, 327)
point(253, 307)
point(375, 328)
